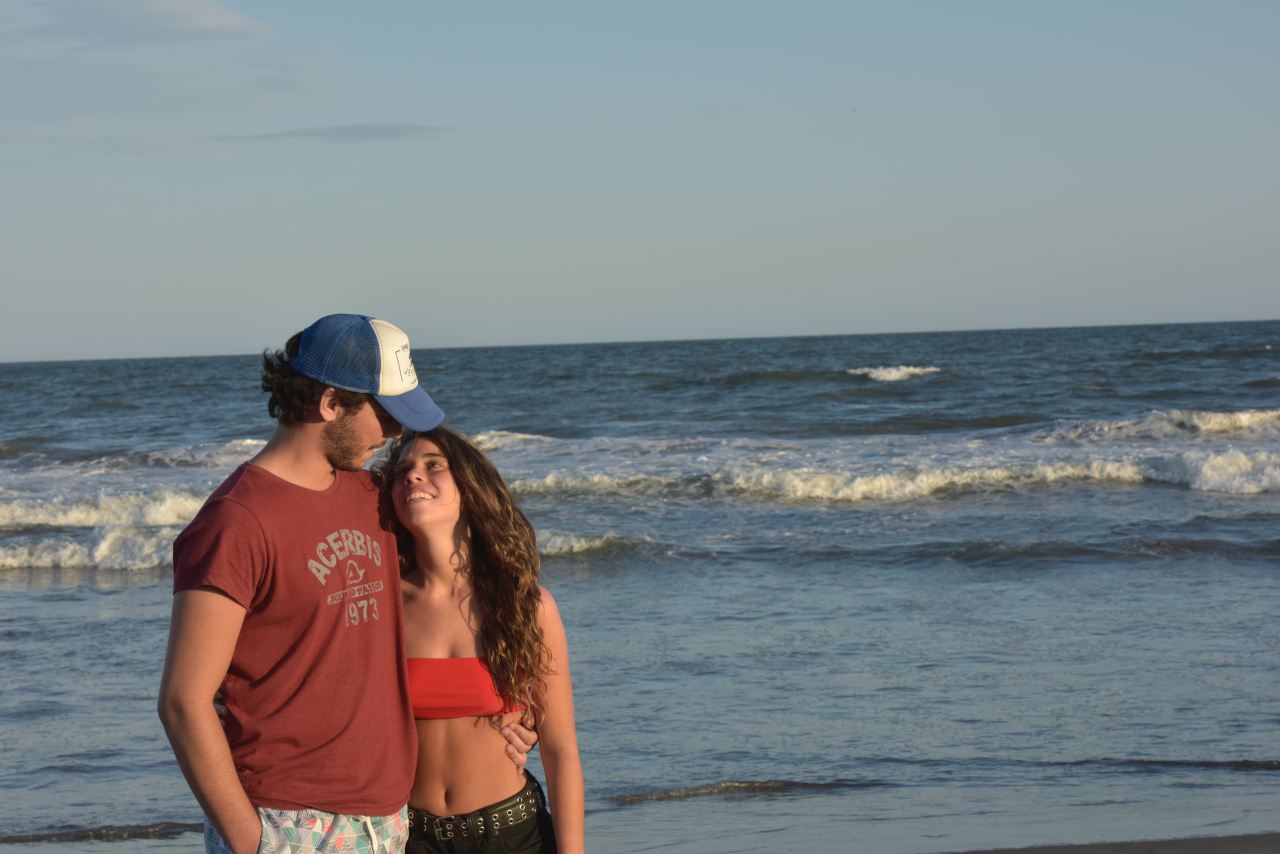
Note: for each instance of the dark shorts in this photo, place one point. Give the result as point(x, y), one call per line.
point(519, 824)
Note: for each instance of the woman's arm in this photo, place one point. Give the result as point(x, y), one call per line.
point(559, 739)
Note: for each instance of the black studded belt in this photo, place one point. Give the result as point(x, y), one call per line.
point(490, 821)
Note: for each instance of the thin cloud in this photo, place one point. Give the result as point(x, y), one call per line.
point(343, 133)
point(92, 23)
point(199, 17)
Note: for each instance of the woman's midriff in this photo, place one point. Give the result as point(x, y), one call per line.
point(463, 766)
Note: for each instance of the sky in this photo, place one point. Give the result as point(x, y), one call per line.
point(191, 177)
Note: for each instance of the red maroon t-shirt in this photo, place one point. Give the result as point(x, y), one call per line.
point(317, 695)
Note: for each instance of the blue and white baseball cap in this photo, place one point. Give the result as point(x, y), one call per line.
point(360, 353)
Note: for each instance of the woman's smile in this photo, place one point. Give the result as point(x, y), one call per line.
point(424, 491)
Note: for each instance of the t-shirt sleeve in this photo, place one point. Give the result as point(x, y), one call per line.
point(223, 547)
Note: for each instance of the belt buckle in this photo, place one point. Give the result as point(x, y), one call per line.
point(444, 827)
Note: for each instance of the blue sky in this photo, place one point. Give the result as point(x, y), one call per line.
point(203, 176)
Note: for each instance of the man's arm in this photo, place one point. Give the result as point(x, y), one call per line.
point(202, 637)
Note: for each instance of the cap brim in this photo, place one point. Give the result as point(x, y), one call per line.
point(415, 410)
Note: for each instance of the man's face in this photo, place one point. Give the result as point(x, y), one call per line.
point(351, 440)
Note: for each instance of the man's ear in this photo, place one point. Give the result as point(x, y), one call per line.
point(329, 407)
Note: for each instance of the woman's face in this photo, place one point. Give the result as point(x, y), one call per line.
point(423, 492)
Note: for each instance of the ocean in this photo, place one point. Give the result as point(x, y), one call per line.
point(881, 593)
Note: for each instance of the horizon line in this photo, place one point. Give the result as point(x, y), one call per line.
point(683, 340)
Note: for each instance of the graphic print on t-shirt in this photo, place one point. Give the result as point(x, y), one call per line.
point(354, 573)
point(357, 598)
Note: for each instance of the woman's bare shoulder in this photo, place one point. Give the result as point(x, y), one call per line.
point(548, 612)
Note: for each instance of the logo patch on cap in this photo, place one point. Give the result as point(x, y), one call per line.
point(404, 361)
point(397, 373)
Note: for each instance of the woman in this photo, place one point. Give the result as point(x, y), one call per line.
point(486, 649)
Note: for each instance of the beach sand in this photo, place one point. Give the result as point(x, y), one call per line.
point(1256, 843)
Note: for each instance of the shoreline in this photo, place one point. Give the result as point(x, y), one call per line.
point(1252, 843)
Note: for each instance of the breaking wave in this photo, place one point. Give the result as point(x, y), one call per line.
point(211, 455)
point(1233, 471)
point(557, 544)
point(892, 373)
point(815, 484)
point(160, 508)
point(224, 456)
point(1251, 424)
point(115, 548)
point(492, 440)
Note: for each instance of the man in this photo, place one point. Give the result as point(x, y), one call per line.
point(287, 602)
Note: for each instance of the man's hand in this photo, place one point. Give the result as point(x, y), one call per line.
point(202, 637)
point(519, 742)
point(245, 836)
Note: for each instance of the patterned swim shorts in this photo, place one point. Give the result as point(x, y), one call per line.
point(316, 832)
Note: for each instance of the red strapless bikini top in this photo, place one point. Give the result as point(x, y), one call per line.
point(453, 688)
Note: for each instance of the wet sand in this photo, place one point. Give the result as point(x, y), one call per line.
point(1256, 843)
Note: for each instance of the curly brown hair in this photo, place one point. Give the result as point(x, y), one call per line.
point(294, 396)
point(500, 557)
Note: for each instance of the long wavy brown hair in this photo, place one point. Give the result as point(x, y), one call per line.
point(500, 556)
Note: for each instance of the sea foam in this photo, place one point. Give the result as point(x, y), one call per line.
point(104, 510)
point(892, 373)
point(115, 548)
point(815, 484)
point(492, 440)
point(225, 455)
point(558, 544)
point(1233, 471)
point(208, 455)
point(1250, 424)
